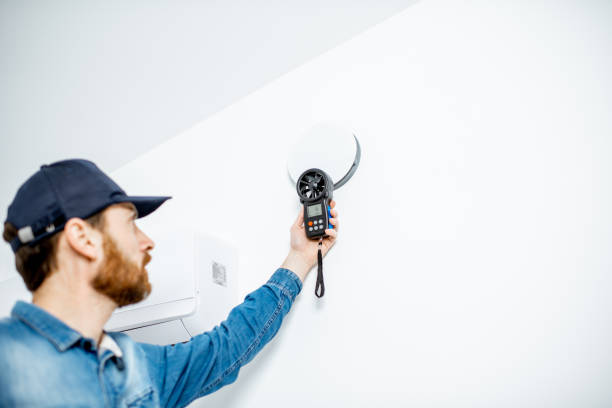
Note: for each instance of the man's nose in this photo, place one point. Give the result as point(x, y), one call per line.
point(146, 243)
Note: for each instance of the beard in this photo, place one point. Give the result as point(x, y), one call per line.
point(123, 281)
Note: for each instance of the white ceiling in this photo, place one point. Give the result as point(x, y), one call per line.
point(110, 80)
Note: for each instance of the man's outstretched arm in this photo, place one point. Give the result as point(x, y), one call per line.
point(211, 360)
point(207, 362)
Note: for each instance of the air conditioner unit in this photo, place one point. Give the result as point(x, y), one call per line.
point(194, 288)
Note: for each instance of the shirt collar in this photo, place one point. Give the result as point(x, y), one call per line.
point(49, 326)
point(108, 343)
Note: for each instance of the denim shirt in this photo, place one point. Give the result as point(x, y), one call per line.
point(43, 362)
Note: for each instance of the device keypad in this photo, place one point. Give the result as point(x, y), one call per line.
point(316, 225)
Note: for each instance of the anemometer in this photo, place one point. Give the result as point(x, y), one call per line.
point(337, 151)
point(315, 189)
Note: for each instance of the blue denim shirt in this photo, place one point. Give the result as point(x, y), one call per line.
point(43, 362)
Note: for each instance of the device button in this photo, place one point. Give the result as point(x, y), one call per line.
point(316, 228)
point(309, 222)
point(309, 228)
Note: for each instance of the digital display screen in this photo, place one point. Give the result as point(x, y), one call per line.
point(314, 210)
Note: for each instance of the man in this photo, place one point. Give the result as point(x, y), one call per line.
point(81, 255)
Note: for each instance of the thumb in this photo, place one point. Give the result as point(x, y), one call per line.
point(300, 218)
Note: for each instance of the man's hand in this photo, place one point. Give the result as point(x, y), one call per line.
point(303, 253)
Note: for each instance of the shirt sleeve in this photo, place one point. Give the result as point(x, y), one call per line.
point(211, 360)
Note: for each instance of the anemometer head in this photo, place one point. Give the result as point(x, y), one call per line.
point(314, 185)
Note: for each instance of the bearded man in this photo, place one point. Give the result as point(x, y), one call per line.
point(81, 254)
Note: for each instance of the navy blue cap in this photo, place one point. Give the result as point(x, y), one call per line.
point(64, 190)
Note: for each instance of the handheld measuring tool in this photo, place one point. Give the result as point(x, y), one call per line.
point(316, 189)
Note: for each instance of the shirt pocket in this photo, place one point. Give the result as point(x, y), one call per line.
point(144, 398)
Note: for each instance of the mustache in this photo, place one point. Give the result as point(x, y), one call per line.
point(146, 260)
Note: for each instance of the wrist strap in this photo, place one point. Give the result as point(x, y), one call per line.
point(320, 285)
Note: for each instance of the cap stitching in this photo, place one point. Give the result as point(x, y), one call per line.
point(55, 192)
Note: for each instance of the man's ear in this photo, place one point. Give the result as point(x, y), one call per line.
point(83, 238)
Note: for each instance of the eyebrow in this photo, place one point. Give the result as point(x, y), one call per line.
point(132, 208)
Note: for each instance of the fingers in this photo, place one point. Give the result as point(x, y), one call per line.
point(334, 219)
point(334, 222)
point(332, 211)
point(333, 234)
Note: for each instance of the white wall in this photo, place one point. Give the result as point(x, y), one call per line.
point(472, 265)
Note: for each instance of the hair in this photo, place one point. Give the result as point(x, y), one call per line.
point(35, 263)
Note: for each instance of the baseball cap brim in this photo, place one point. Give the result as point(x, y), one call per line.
point(145, 205)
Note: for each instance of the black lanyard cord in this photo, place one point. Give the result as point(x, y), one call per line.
point(320, 285)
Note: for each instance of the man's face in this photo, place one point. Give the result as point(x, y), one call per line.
point(122, 275)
